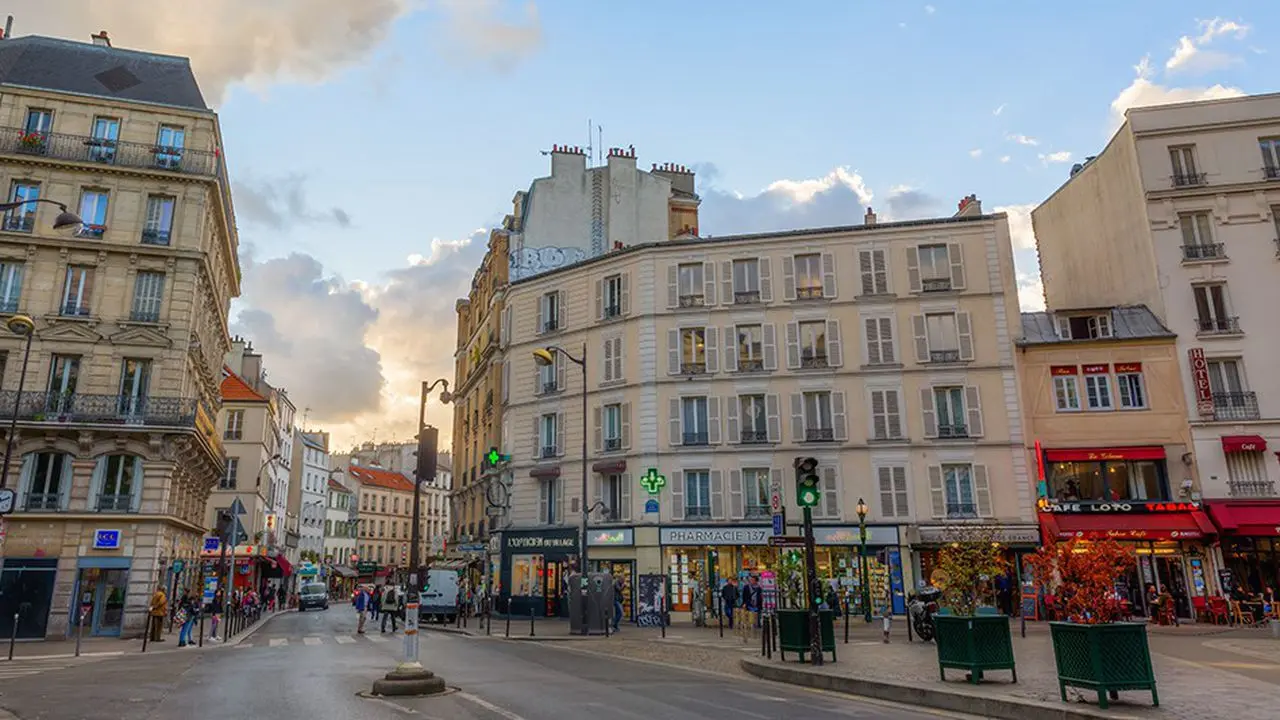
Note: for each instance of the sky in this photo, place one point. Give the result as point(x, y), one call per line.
point(372, 144)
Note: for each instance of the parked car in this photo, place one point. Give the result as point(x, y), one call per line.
point(313, 595)
point(439, 601)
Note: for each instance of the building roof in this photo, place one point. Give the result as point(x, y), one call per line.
point(312, 441)
point(1128, 322)
point(235, 389)
point(85, 69)
point(378, 477)
point(337, 486)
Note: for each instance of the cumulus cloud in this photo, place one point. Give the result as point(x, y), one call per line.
point(929, 9)
point(1061, 156)
point(1030, 291)
point(1191, 55)
point(1144, 91)
point(908, 203)
point(1019, 225)
point(281, 202)
point(481, 30)
point(975, 153)
point(838, 198)
point(1022, 139)
point(1005, 158)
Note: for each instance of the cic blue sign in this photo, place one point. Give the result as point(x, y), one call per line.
point(106, 539)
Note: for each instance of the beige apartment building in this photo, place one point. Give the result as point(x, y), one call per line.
point(385, 518)
point(883, 350)
point(1181, 212)
point(116, 450)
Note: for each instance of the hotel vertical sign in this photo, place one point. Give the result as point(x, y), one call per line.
point(1200, 377)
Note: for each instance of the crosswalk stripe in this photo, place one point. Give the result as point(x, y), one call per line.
point(376, 638)
point(311, 641)
point(242, 646)
point(279, 642)
point(344, 639)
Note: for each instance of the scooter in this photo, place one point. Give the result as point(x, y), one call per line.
point(921, 607)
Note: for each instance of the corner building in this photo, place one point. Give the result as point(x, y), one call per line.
point(882, 350)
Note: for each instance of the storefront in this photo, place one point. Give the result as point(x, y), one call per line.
point(26, 591)
point(535, 565)
point(101, 586)
point(1250, 542)
point(611, 550)
point(250, 561)
point(1019, 541)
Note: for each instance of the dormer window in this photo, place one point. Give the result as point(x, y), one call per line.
point(1084, 327)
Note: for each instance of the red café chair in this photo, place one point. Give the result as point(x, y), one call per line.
point(1219, 612)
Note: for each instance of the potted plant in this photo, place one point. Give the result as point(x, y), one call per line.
point(793, 611)
point(967, 566)
point(31, 141)
point(1092, 649)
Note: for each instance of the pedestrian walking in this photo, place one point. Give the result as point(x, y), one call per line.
point(752, 597)
point(617, 603)
point(280, 595)
point(159, 611)
point(729, 598)
point(375, 605)
point(215, 614)
point(391, 605)
point(362, 604)
point(188, 612)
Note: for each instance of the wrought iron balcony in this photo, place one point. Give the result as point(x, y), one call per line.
point(612, 444)
point(749, 297)
point(549, 387)
point(155, 236)
point(697, 512)
point(750, 364)
point(962, 510)
point(809, 292)
point(548, 451)
point(953, 431)
point(1189, 179)
point(42, 502)
point(693, 368)
point(56, 407)
point(944, 356)
point(935, 285)
point(751, 436)
point(757, 512)
point(1252, 488)
point(687, 301)
point(19, 222)
point(550, 325)
point(612, 311)
point(91, 232)
point(83, 148)
point(1204, 251)
point(74, 310)
point(115, 503)
point(809, 361)
point(1271, 172)
point(819, 435)
point(696, 438)
point(1236, 406)
point(1219, 326)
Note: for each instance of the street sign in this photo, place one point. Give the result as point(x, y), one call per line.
point(212, 544)
point(775, 496)
point(778, 528)
point(786, 541)
point(7, 499)
point(237, 507)
point(651, 507)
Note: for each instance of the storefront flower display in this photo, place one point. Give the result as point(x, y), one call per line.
point(969, 563)
point(1092, 650)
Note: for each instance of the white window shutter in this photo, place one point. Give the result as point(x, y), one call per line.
point(544, 490)
point(773, 419)
point(839, 420)
point(673, 286)
point(964, 332)
point(726, 282)
point(835, 348)
point(537, 437)
point(737, 504)
point(599, 300)
point(624, 496)
point(830, 493)
point(937, 495)
point(955, 252)
point(982, 490)
point(619, 362)
point(711, 349)
point(879, 418)
point(560, 433)
point(928, 412)
point(673, 352)
point(717, 494)
point(677, 495)
point(506, 382)
point(893, 413)
point(1064, 327)
point(713, 420)
point(560, 324)
point(921, 332)
point(793, 345)
point(797, 417)
point(732, 425)
point(829, 286)
point(597, 423)
point(597, 494)
point(606, 360)
point(973, 407)
point(769, 346)
point(865, 272)
point(766, 279)
point(913, 269)
point(562, 372)
point(871, 328)
point(505, 333)
point(881, 272)
point(884, 477)
point(625, 424)
point(730, 349)
point(557, 487)
point(625, 293)
point(788, 278)
point(542, 306)
point(673, 423)
point(887, 353)
point(709, 283)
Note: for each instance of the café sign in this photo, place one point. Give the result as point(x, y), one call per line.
point(1114, 507)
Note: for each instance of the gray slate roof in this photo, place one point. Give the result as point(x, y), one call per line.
point(86, 69)
point(1128, 322)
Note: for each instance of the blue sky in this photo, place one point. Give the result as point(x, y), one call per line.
point(370, 141)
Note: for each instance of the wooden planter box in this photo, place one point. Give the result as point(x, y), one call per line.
point(975, 643)
point(793, 632)
point(1104, 658)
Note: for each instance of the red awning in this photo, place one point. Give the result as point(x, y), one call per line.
point(1147, 452)
point(283, 563)
point(1163, 526)
point(1243, 444)
point(1246, 517)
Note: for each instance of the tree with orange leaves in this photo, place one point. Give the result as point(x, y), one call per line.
point(1083, 575)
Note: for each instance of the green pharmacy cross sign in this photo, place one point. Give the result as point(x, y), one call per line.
point(652, 482)
point(494, 457)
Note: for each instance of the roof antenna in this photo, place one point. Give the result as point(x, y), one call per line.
point(8, 28)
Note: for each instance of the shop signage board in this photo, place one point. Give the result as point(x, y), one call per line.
point(652, 481)
point(1130, 534)
point(786, 541)
point(617, 537)
point(1116, 507)
point(106, 540)
point(1200, 379)
point(838, 535)
point(1029, 535)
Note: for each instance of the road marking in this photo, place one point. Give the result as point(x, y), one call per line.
point(344, 639)
point(241, 646)
point(490, 706)
point(279, 642)
point(376, 638)
point(311, 641)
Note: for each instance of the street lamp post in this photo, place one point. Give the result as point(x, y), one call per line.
point(545, 357)
point(22, 326)
point(862, 558)
point(66, 220)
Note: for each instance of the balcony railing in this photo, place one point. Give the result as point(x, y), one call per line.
point(1252, 488)
point(115, 503)
point(549, 387)
point(1204, 251)
point(697, 512)
point(953, 431)
point(757, 512)
point(819, 435)
point(944, 356)
point(750, 364)
point(748, 297)
point(1236, 406)
point(155, 236)
point(19, 222)
point(809, 361)
point(962, 510)
point(1219, 326)
point(695, 438)
point(612, 444)
point(687, 301)
point(693, 368)
point(754, 437)
point(1189, 179)
point(56, 407)
point(550, 325)
point(612, 311)
point(809, 292)
point(83, 148)
point(91, 232)
point(1271, 172)
point(935, 284)
point(548, 451)
point(74, 310)
point(43, 501)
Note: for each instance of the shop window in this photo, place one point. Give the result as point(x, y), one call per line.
point(527, 572)
point(1110, 481)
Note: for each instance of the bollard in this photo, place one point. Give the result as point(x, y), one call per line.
point(846, 620)
point(13, 635)
point(508, 617)
point(1275, 627)
point(662, 621)
point(80, 632)
point(488, 616)
point(531, 633)
point(764, 637)
point(200, 642)
point(720, 619)
point(1022, 616)
point(146, 633)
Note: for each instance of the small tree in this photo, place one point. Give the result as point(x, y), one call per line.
point(1083, 576)
point(790, 579)
point(972, 558)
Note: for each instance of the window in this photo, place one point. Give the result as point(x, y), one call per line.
point(1197, 237)
point(693, 351)
point(611, 297)
point(364, 504)
point(694, 421)
point(39, 121)
point(77, 290)
point(1097, 389)
point(1129, 386)
point(874, 271)
point(104, 134)
point(148, 293)
point(383, 503)
point(611, 427)
point(817, 417)
point(169, 143)
point(158, 226)
point(808, 276)
point(893, 491)
point(813, 344)
point(235, 425)
point(395, 505)
point(755, 493)
point(949, 404)
point(754, 418)
point(1270, 148)
point(691, 287)
point(1212, 314)
point(613, 368)
point(746, 281)
point(548, 377)
point(1109, 481)
point(935, 268)
point(34, 138)
point(697, 495)
point(549, 312)
point(93, 211)
point(1231, 401)
point(1084, 327)
point(958, 485)
point(550, 501)
point(548, 439)
point(121, 476)
point(135, 377)
point(382, 524)
point(943, 338)
point(750, 348)
point(880, 349)
point(1183, 161)
point(23, 217)
point(886, 415)
point(63, 377)
point(49, 478)
point(1066, 390)
point(615, 496)
point(10, 286)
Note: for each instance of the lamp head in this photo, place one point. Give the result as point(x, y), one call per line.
point(67, 221)
point(544, 357)
point(20, 325)
point(446, 397)
point(862, 509)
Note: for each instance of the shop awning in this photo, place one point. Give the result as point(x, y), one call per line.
point(450, 565)
point(344, 571)
point(545, 472)
point(1246, 517)
point(1243, 443)
point(1141, 452)
point(1163, 526)
point(283, 563)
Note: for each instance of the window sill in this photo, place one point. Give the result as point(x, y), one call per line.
point(610, 319)
point(751, 371)
point(1219, 335)
point(882, 367)
point(876, 297)
point(946, 363)
point(956, 440)
point(87, 319)
point(1206, 260)
point(889, 441)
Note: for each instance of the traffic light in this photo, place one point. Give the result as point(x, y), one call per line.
point(226, 525)
point(807, 482)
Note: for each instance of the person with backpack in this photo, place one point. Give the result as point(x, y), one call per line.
point(392, 603)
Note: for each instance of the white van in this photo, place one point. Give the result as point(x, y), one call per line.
point(439, 601)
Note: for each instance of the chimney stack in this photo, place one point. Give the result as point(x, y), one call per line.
point(8, 27)
point(869, 218)
point(681, 177)
point(101, 39)
point(969, 206)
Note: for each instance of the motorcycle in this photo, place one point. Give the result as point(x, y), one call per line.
point(921, 607)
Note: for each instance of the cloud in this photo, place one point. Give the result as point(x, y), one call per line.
point(1020, 231)
point(1022, 139)
point(478, 30)
point(998, 111)
point(908, 203)
point(1190, 55)
point(1030, 292)
point(1143, 92)
point(281, 203)
point(838, 198)
point(975, 153)
point(1061, 156)
point(929, 9)
point(1005, 158)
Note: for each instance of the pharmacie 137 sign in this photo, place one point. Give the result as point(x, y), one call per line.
point(1104, 507)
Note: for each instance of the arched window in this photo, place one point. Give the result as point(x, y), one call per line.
point(46, 481)
point(117, 484)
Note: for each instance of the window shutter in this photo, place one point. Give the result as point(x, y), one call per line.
point(982, 490)
point(835, 348)
point(903, 504)
point(606, 360)
point(788, 278)
point(624, 495)
point(673, 423)
point(562, 373)
point(973, 406)
point(560, 324)
point(673, 352)
point(793, 345)
point(737, 505)
point(542, 304)
point(893, 413)
point(864, 270)
point(887, 507)
point(624, 302)
point(599, 300)
point(730, 349)
point(717, 494)
point(964, 331)
point(830, 493)
point(913, 269)
point(928, 412)
point(769, 346)
point(673, 286)
point(557, 487)
point(709, 283)
point(829, 275)
point(881, 272)
point(879, 417)
point(504, 333)
point(797, 417)
point(713, 419)
point(839, 421)
point(921, 332)
point(937, 496)
point(773, 421)
point(506, 382)
point(560, 433)
point(597, 494)
point(537, 437)
point(955, 252)
point(597, 422)
point(732, 426)
point(872, 330)
point(726, 282)
point(544, 490)
point(619, 366)
point(887, 353)
point(677, 495)
point(1064, 327)
point(711, 350)
point(766, 279)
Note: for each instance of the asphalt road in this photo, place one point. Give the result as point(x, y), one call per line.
point(312, 666)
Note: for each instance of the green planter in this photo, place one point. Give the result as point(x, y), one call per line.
point(793, 632)
point(1104, 658)
point(974, 643)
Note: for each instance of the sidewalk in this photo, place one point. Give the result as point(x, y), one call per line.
point(111, 646)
